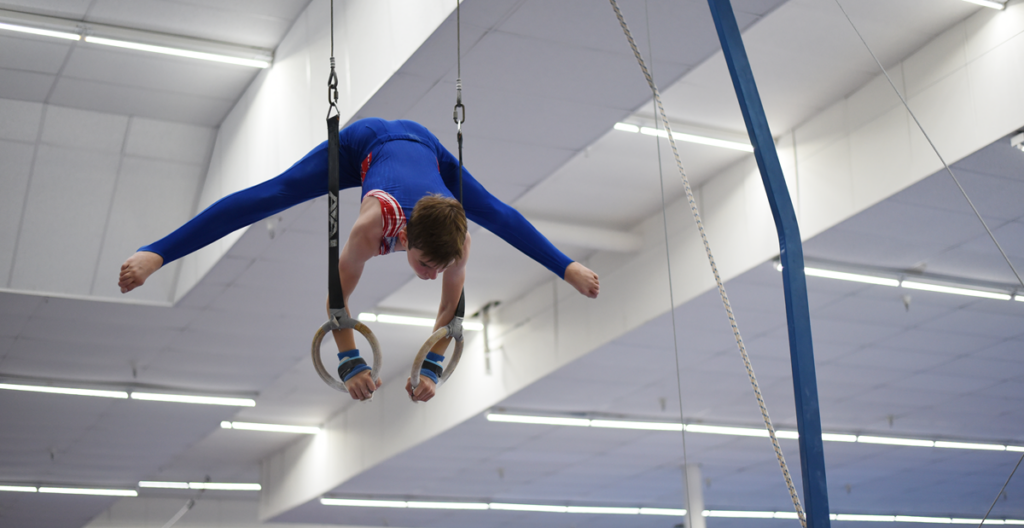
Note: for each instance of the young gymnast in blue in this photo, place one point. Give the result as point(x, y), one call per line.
point(413, 180)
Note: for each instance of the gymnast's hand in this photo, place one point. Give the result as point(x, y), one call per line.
point(361, 386)
point(584, 280)
point(424, 391)
point(137, 269)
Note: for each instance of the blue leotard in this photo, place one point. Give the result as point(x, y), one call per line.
point(397, 162)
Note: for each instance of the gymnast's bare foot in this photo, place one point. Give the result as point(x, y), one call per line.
point(584, 280)
point(137, 269)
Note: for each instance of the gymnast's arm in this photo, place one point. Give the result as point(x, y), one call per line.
point(501, 219)
point(452, 281)
point(363, 244)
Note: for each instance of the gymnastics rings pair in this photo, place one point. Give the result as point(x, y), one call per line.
point(343, 321)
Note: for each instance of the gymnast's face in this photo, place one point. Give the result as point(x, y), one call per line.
point(424, 270)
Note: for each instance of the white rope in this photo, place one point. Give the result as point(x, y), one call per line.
point(718, 279)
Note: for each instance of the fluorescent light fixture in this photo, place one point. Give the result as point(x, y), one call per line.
point(913, 285)
point(964, 445)
point(19, 489)
point(602, 510)
point(447, 505)
point(689, 138)
point(617, 510)
point(988, 3)
point(740, 514)
point(662, 511)
point(221, 486)
point(272, 428)
point(955, 291)
point(733, 431)
point(538, 420)
point(852, 277)
point(163, 485)
point(929, 520)
point(413, 321)
point(91, 491)
point(832, 437)
point(740, 431)
point(225, 486)
point(203, 400)
point(363, 503)
point(41, 32)
point(865, 518)
point(65, 390)
point(544, 508)
point(646, 426)
point(178, 52)
point(884, 440)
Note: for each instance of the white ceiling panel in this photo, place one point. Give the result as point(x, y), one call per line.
point(127, 100)
point(81, 129)
point(62, 8)
point(21, 120)
point(33, 54)
point(61, 178)
point(16, 167)
point(25, 86)
point(169, 141)
point(145, 206)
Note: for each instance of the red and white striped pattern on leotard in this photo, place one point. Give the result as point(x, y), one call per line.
point(392, 218)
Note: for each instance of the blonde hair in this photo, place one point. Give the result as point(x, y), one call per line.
point(437, 227)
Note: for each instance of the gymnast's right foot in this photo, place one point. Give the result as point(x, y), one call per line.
point(137, 269)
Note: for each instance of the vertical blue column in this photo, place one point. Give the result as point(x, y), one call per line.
point(792, 255)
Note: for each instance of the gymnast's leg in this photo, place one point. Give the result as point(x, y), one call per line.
point(305, 180)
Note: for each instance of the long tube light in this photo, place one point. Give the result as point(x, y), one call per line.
point(272, 428)
point(202, 400)
point(134, 39)
point(121, 395)
point(40, 32)
point(177, 52)
point(739, 431)
point(999, 6)
point(913, 285)
point(70, 491)
point(618, 510)
point(91, 491)
point(413, 321)
point(221, 486)
point(689, 138)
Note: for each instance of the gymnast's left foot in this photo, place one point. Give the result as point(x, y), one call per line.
point(584, 280)
point(137, 269)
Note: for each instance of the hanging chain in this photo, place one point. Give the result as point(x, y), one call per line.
point(459, 113)
point(332, 79)
point(714, 268)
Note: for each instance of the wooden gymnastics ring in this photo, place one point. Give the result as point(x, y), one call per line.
point(453, 330)
point(338, 323)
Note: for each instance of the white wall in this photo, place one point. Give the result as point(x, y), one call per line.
point(80, 191)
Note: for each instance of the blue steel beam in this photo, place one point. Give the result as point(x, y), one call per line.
point(805, 385)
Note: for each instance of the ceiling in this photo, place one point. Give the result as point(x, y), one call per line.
point(946, 367)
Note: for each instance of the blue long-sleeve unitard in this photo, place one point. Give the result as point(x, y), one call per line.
point(398, 162)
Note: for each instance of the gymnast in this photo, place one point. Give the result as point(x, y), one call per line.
point(404, 168)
